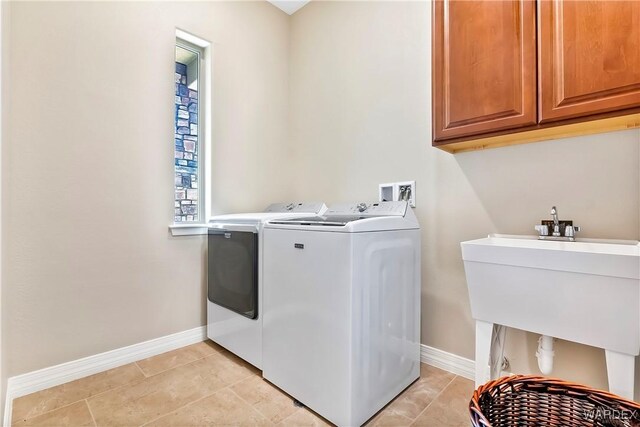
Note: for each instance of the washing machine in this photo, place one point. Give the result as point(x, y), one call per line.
point(234, 282)
point(341, 329)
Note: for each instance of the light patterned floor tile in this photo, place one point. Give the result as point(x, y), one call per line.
point(76, 414)
point(223, 408)
point(41, 402)
point(450, 408)
point(163, 393)
point(390, 419)
point(266, 398)
point(304, 418)
point(172, 359)
point(206, 385)
point(421, 393)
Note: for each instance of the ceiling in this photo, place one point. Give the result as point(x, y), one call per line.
point(289, 6)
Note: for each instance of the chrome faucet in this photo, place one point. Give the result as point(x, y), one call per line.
point(562, 230)
point(556, 223)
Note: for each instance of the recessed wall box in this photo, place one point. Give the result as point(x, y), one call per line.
point(407, 191)
point(387, 192)
point(398, 191)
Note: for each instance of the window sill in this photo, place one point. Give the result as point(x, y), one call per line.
point(195, 229)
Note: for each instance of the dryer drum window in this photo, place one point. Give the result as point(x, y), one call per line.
point(233, 271)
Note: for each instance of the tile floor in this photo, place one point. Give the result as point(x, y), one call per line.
point(205, 385)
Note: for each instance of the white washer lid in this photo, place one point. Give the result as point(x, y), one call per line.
point(354, 218)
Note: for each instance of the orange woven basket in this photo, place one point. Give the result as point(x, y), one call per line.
point(534, 401)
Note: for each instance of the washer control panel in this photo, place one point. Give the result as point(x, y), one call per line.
point(369, 209)
point(294, 207)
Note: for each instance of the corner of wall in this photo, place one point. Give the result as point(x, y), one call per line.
point(290, 146)
point(4, 33)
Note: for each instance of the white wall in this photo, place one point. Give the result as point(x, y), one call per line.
point(88, 167)
point(361, 115)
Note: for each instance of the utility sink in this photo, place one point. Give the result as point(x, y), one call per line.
point(587, 291)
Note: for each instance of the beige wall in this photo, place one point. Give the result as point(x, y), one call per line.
point(361, 115)
point(88, 176)
point(4, 32)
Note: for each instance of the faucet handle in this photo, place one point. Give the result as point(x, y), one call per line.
point(542, 230)
point(571, 230)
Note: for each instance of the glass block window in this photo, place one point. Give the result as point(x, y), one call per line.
point(188, 196)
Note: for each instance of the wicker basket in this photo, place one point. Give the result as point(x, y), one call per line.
point(528, 401)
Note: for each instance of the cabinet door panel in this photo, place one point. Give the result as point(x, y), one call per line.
point(484, 64)
point(589, 57)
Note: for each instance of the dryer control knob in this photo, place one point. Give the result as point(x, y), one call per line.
point(362, 207)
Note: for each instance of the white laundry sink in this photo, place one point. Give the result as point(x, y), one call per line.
point(587, 291)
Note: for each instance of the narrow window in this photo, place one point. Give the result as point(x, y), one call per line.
point(188, 133)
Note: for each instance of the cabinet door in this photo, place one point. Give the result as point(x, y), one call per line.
point(484, 66)
point(589, 57)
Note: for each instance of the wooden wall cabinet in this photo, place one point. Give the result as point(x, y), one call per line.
point(589, 57)
point(484, 59)
point(486, 91)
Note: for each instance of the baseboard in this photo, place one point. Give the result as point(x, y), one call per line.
point(448, 361)
point(42, 379)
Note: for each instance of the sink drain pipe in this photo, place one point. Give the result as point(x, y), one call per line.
point(545, 354)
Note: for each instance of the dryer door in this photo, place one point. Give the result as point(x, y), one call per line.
point(233, 270)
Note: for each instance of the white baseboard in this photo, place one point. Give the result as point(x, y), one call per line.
point(42, 379)
point(448, 361)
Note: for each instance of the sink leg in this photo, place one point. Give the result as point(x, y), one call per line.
point(620, 371)
point(489, 351)
point(484, 331)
